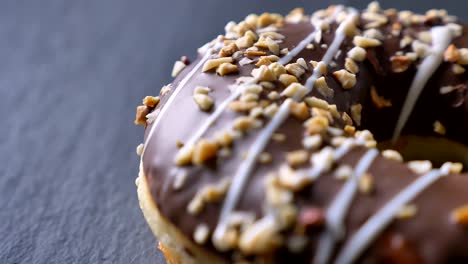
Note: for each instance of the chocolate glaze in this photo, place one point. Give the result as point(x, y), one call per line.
point(429, 237)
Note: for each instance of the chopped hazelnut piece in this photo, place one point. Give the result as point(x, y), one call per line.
point(201, 234)
point(356, 113)
point(420, 166)
point(265, 19)
point(195, 205)
point(228, 50)
point(226, 68)
point(204, 102)
point(400, 63)
point(278, 137)
point(295, 69)
point(460, 215)
point(310, 46)
point(245, 42)
point(265, 157)
point(458, 69)
point(214, 63)
point(273, 47)
point(254, 53)
point(201, 90)
point(224, 138)
point(260, 238)
point(316, 125)
point(407, 212)
point(264, 74)
point(343, 172)
point(141, 113)
point(264, 60)
point(203, 151)
point(184, 156)
point(347, 119)
point(451, 54)
point(313, 101)
point(378, 100)
point(297, 158)
point(249, 97)
point(139, 149)
point(312, 142)
point(295, 16)
point(151, 101)
point(392, 155)
point(299, 110)
point(179, 144)
point(365, 42)
point(296, 90)
point(178, 67)
point(463, 56)
point(277, 69)
point(452, 167)
point(349, 129)
point(287, 79)
point(322, 87)
point(244, 123)
point(242, 106)
point(439, 128)
point(347, 79)
point(366, 183)
point(272, 34)
point(351, 66)
point(274, 95)
point(357, 54)
point(405, 41)
point(270, 110)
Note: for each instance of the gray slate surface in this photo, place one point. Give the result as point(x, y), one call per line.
point(71, 74)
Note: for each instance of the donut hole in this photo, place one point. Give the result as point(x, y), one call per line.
point(437, 150)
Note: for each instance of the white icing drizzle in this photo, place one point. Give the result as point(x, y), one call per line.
point(339, 208)
point(318, 27)
point(182, 83)
point(246, 167)
point(378, 222)
point(441, 38)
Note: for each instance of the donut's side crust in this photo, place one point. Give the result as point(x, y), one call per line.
point(172, 242)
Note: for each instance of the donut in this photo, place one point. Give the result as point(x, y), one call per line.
point(336, 137)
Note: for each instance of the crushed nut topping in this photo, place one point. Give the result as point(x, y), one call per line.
point(139, 149)
point(204, 101)
point(228, 50)
point(287, 79)
point(365, 42)
point(366, 183)
point(316, 125)
point(356, 113)
point(322, 87)
point(378, 100)
point(458, 69)
point(357, 54)
point(244, 123)
point(294, 90)
point(265, 158)
point(439, 128)
point(312, 142)
point(201, 234)
point(460, 215)
point(451, 54)
point(407, 211)
point(151, 101)
point(295, 69)
point(343, 172)
point(400, 63)
point(141, 112)
point(278, 137)
point(299, 110)
point(178, 67)
point(226, 68)
point(347, 79)
point(420, 166)
point(203, 151)
point(263, 74)
point(392, 155)
point(214, 63)
point(351, 66)
point(297, 157)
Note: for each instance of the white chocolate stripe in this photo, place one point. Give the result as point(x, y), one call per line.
point(339, 208)
point(377, 223)
point(441, 38)
point(246, 167)
point(172, 97)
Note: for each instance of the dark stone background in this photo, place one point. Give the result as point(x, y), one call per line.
point(71, 74)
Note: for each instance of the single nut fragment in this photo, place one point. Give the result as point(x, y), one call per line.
point(244, 123)
point(400, 63)
point(263, 74)
point(365, 42)
point(313, 101)
point(226, 68)
point(366, 183)
point(297, 157)
point(439, 128)
point(224, 138)
point(347, 79)
point(264, 60)
point(273, 47)
point(451, 54)
point(265, 19)
point(378, 100)
point(349, 129)
point(295, 16)
point(420, 166)
point(228, 50)
point(242, 106)
point(407, 211)
point(295, 90)
point(245, 42)
point(178, 67)
point(311, 217)
point(392, 155)
point(203, 151)
point(312, 142)
point(316, 125)
point(356, 110)
point(458, 69)
point(261, 237)
point(295, 69)
point(270, 110)
point(343, 172)
point(351, 66)
point(357, 54)
point(287, 79)
point(460, 215)
point(204, 102)
point(265, 157)
point(463, 56)
point(184, 156)
point(299, 110)
point(202, 90)
point(141, 112)
point(201, 234)
point(452, 167)
point(322, 87)
point(278, 137)
point(254, 53)
point(277, 69)
point(151, 101)
point(139, 149)
point(214, 63)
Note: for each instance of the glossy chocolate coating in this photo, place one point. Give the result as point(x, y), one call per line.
point(429, 237)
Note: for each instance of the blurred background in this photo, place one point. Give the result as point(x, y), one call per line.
point(71, 75)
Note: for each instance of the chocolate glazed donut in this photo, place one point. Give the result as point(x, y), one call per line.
point(338, 137)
